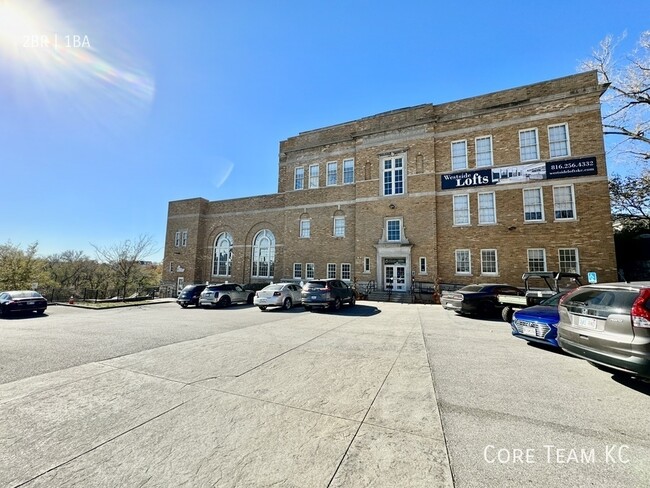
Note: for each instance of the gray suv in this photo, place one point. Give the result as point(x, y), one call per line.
point(608, 324)
point(224, 295)
point(327, 294)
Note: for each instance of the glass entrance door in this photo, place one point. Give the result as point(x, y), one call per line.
point(394, 277)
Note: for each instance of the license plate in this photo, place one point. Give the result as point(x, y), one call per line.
point(587, 322)
point(30, 303)
point(263, 300)
point(528, 330)
point(314, 297)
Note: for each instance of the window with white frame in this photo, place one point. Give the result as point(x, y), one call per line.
point(483, 151)
point(458, 155)
point(563, 202)
point(461, 209)
point(569, 262)
point(394, 230)
point(332, 176)
point(297, 270)
point(489, 264)
point(339, 226)
point(346, 271)
point(309, 271)
point(366, 265)
point(305, 228)
point(393, 176)
point(299, 178)
point(463, 263)
point(331, 270)
point(536, 260)
point(348, 171)
point(263, 254)
point(487, 213)
point(558, 140)
point(528, 145)
point(222, 260)
point(180, 238)
point(313, 176)
point(533, 205)
point(423, 265)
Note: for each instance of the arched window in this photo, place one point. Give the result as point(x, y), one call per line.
point(263, 254)
point(222, 264)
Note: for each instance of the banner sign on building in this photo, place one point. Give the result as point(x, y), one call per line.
point(523, 173)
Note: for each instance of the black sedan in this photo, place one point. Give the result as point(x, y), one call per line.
point(21, 301)
point(477, 299)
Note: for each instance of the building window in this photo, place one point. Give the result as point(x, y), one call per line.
point(348, 171)
point(297, 270)
point(180, 284)
point(299, 178)
point(563, 202)
point(339, 226)
point(180, 238)
point(305, 228)
point(569, 261)
point(366, 265)
point(487, 208)
point(313, 176)
point(394, 176)
point(310, 271)
point(533, 205)
point(489, 265)
point(423, 265)
point(483, 151)
point(528, 145)
point(222, 261)
point(461, 209)
point(463, 263)
point(536, 260)
point(331, 271)
point(171, 266)
point(263, 254)
point(332, 177)
point(558, 140)
point(394, 230)
point(346, 269)
point(458, 155)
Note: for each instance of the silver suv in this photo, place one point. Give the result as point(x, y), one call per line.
point(608, 324)
point(224, 295)
point(330, 293)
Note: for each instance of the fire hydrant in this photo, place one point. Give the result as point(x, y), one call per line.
point(71, 300)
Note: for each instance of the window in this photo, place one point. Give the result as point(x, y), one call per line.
point(458, 155)
point(528, 145)
point(558, 140)
point(305, 228)
point(299, 178)
point(348, 171)
point(171, 266)
point(180, 238)
point(486, 208)
point(536, 260)
point(313, 176)
point(331, 271)
point(297, 270)
point(463, 263)
point(346, 271)
point(423, 265)
point(310, 271)
point(461, 209)
point(563, 202)
point(393, 176)
point(339, 226)
point(533, 205)
point(332, 168)
point(569, 260)
point(263, 254)
point(366, 265)
point(180, 283)
point(483, 151)
point(394, 230)
point(489, 261)
point(222, 260)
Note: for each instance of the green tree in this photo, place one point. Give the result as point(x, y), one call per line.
point(20, 269)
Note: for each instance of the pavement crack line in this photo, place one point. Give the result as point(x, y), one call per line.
point(88, 451)
point(363, 420)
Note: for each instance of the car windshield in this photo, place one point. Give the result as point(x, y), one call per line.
point(274, 287)
point(24, 294)
point(553, 301)
point(313, 285)
point(472, 288)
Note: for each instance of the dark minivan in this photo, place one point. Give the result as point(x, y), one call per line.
point(190, 295)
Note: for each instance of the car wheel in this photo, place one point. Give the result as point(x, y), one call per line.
point(337, 304)
point(249, 300)
point(353, 300)
point(507, 313)
point(183, 305)
point(225, 301)
point(40, 311)
point(287, 303)
point(307, 307)
point(3, 313)
point(262, 307)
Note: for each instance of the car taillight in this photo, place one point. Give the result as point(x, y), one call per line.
point(640, 311)
point(276, 293)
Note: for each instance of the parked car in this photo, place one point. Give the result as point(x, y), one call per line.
point(327, 294)
point(608, 324)
point(190, 295)
point(21, 301)
point(478, 299)
point(539, 322)
point(284, 295)
point(224, 295)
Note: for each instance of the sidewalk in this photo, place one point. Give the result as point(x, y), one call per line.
point(314, 400)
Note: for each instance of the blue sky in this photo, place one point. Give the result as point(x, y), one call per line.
point(109, 109)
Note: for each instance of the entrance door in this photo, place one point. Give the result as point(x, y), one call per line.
point(395, 277)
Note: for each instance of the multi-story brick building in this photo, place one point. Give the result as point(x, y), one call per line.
point(477, 190)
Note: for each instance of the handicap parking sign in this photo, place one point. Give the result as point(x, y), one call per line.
point(591, 277)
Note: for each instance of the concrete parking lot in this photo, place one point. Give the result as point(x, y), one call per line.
point(377, 395)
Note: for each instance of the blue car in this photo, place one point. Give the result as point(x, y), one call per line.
point(538, 323)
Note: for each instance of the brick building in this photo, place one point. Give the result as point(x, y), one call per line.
point(476, 190)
